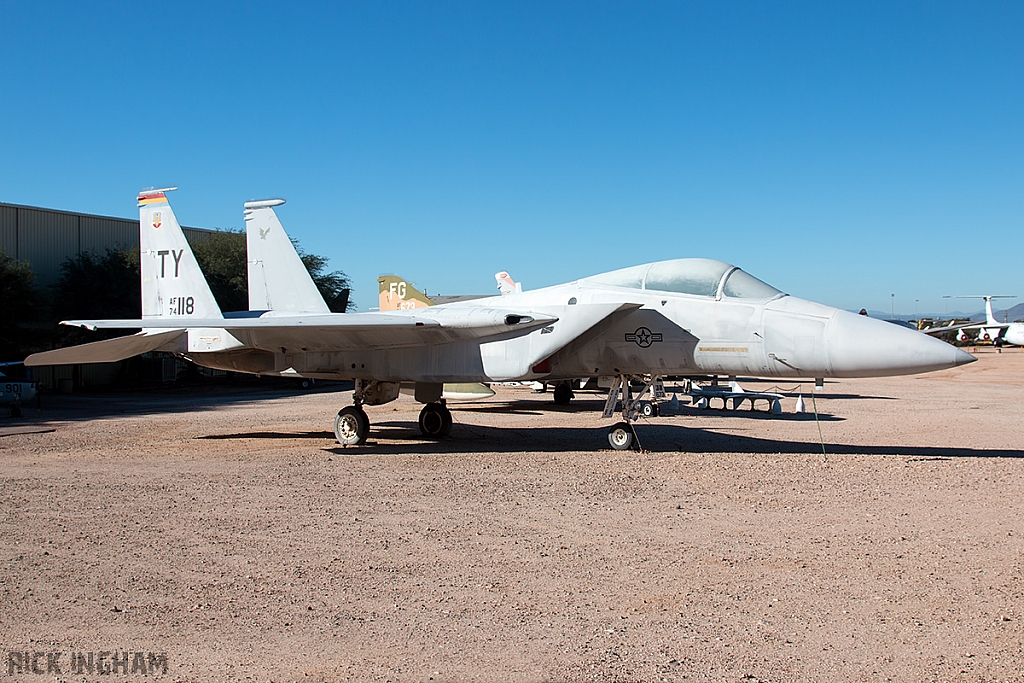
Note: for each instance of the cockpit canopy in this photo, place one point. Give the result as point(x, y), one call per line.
point(695, 276)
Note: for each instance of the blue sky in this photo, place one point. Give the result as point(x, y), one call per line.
point(843, 153)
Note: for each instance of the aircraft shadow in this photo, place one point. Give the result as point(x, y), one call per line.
point(527, 407)
point(719, 413)
point(268, 435)
point(652, 436)
point(90, 406)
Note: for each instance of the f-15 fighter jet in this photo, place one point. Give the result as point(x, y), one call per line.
point(688, 316)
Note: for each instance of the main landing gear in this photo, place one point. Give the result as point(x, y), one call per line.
point(622, 435)
point(563, 393)
point(435, 420)
point(352, 426)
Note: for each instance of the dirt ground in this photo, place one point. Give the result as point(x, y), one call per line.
point(228, 530)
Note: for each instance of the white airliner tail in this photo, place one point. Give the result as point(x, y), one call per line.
point(506, 285)
point(173, 285)
point(990, 318)
point(278, 280)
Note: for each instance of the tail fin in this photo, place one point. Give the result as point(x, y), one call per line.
point(278, 280)
point(398, 295)
point(172, 282)
point(990, 318)
point(506, 285)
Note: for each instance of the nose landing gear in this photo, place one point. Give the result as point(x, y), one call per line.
point(622, 435)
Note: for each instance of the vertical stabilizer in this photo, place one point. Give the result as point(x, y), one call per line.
point(506, 285)
point(396, 294)
point(990, 318)
point(172, 282)
point(278, 280)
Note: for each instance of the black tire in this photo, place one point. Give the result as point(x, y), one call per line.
point(447, 421)
point(352, 426)
point(563, 394)
point(647, 409)
point(435, 421)
point(620, 436)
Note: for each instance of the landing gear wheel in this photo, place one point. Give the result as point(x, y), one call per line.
point(563, 394)
point(351, 426)
point(435, 421)
point(620, 436)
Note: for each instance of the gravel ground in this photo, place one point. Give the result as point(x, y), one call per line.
point(227, 529)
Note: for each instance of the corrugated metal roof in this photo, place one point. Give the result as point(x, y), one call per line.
point(98, 234)
point(45, 238)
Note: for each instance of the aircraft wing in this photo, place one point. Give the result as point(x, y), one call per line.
point(107, 350)
point(340, 331)
point(935, 331)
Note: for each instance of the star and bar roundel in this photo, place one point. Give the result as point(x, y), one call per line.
point(643, 337)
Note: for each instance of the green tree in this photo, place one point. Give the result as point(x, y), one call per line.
point(21, 309)
point(221, 256)
point(334, 286)
point(95, 287)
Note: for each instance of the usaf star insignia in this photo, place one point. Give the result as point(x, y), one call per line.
point(643, 337)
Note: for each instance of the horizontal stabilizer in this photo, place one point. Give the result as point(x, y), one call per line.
point(106, 351)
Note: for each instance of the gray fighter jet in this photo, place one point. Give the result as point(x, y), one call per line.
point(689, 316)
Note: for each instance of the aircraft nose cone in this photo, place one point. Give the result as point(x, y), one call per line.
point(963, 358)
point(864, 347)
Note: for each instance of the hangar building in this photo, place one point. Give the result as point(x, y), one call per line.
point(45, 238)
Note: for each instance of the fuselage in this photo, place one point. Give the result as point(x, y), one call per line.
point(1014, 334)
point(681, 317)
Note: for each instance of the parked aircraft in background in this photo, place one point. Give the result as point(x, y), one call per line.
point(506, 285)
point(994, 331)
point(398, 295)
point(15, 392)
point(679, 317)
point(999, 333)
